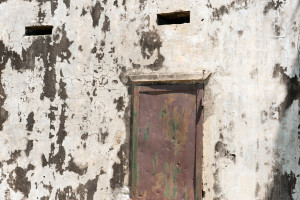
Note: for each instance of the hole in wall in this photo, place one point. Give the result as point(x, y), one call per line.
point(178, 17)
point(38, 30)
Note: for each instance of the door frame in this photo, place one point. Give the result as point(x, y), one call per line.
point(138, 81)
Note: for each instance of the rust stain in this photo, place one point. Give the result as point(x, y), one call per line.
point(175, 126)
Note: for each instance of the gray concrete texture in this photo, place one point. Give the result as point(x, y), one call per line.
point(65, 99)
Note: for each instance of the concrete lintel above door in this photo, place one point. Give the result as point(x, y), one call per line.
point(147, 78)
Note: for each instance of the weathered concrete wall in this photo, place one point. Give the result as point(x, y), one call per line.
point(65, 98)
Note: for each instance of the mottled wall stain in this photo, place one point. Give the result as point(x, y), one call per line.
point(76, 169)
point(41, 48)
point(225, 9)
point(273, 5)
point(65, 105)
point(292, 87)
point(30, 121)
point(150, 43)
point(119, 169)
point(18, 180)
point(14, 156)
point(59, 158)
point(283, 185)
point(96, 13)
point(62, 93)
point(119, 103)
point(29, 147)
point(106, 24)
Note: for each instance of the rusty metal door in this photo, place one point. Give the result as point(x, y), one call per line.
point(167, 142)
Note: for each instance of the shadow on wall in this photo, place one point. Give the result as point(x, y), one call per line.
point(286, 171)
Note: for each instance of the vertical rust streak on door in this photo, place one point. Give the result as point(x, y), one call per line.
point(164, 143)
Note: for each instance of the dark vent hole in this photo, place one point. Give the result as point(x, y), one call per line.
point(38, 30)
point(179, 17)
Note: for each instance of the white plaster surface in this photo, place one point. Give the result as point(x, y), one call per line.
point(240, 42)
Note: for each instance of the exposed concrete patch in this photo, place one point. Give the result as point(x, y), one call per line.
point(96, 13)
point(29, 147)
point(15, 59)
point(66, 193)
point(30, 121)
point(52, 118)
point(3, 117)
point(84, 136)
point(142, 4)
point(76, 169)
point(150, 42)
point(104, 135)
point(119, 104)
point(240, 33)
point(61, 134)
point(67, 3)
point(41, 14)
point(219, 12)
point(5, 55)
point(123, 74)
point(106, 24)
point(54, 5)
point(88, 189)
point(222, 151)
point(136, 66)
point(225, 9)
point(273, 5)
point(282, 186)
point(57, 159)
point(18, 180)
point(292, 87)
point(36, 49)
point(98, 53)
point(83, 12)
point(277, 29)
point(75, 83)
point(14, 156)
point(7, 195)
point(62, 93)
point(119, 169)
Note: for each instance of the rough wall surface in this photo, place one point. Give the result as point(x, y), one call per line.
point(65, 98)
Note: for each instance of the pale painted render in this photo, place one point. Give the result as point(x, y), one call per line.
point(65, 99)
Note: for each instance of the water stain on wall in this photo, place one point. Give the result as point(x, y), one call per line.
point(283, 185)
point(30, 121)
point(292, 87)
point(273, 5)
point(96, 13)
point(18, 180)
point(150, 43)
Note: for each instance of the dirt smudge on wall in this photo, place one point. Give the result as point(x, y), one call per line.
point(292, 87)
point(96, 13)
point(119, 169)
point(30, 121)
point(18, 180)
point(150, 43)
point(283, 185)
point(273, 5)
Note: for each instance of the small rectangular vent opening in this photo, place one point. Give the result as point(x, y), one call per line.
point(178, 17)
point(38, 30)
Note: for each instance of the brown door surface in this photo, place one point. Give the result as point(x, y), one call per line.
point(167, 142)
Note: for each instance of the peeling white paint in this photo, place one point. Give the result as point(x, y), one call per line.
point(243, 96)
